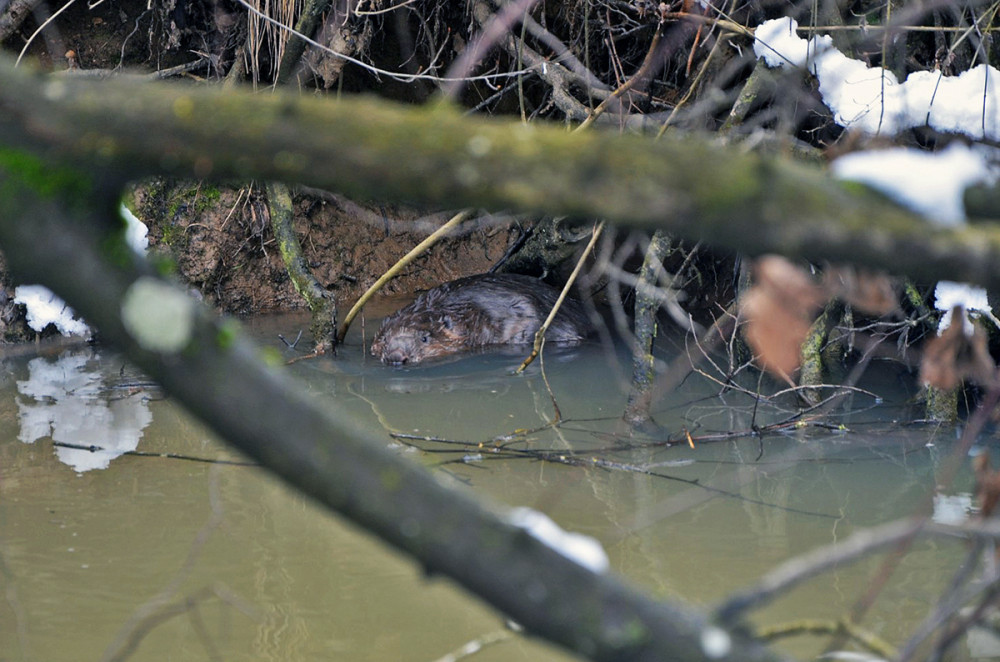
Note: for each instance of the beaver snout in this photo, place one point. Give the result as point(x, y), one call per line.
point(394, 358)
point(396, 345)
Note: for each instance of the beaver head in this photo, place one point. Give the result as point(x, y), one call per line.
point(407, 337)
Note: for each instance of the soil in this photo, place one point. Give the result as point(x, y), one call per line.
point(221, 241)
point(219, 238)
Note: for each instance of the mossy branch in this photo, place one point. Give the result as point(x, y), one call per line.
point(321, 303)
point(691, 188)
point(637, 414)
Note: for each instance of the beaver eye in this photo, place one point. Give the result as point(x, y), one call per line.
point(426, 338)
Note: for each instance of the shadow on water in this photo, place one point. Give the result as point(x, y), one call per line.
point(105, 551)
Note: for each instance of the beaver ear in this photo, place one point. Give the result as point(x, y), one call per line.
point(446, 321)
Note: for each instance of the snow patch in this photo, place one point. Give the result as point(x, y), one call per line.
point(873, 99)
point(930, 184)
point(948, 295)
point(43, 307)
point(583, 550)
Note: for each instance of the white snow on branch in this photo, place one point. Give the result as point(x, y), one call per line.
point(970, 298)
point(930, 184)
point(584, 550)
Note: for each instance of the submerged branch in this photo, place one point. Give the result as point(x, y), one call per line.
point(414, 253)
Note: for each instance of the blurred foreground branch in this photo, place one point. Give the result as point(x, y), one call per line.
point(209, 367)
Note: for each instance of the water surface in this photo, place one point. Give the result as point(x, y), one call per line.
point(197, 555)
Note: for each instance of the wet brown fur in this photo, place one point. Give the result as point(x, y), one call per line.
point(474, 312)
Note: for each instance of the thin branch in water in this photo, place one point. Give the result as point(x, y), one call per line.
point(476, 645)
point(540, 334)
point(417, 251)
point(166, 456)
point(291, 345)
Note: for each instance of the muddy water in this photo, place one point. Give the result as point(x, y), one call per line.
point(128, 552)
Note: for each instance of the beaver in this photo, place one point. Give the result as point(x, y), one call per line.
point(474, 312)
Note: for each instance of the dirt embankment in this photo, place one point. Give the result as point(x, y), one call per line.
point(220, 238)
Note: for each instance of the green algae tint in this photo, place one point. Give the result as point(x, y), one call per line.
point(47, 180)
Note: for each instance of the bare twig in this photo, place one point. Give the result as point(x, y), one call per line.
point(540, 334)
point(493, 30)
point(40, 28)
point(417, 251)
point(565, 57)
point(406, 78)
point(797, 570)
point(641, 75)
point(866, 639)
point(479, 643)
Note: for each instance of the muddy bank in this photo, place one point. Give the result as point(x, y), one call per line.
point(221, 241)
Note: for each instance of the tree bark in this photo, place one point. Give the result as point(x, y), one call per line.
point(322, 304)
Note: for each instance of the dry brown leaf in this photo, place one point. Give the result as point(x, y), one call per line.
point(955, 356)
point(779, 309)
point(987, 490)
point(790, 283)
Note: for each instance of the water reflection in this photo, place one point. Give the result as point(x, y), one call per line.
point(69, 400)
point(83, 554)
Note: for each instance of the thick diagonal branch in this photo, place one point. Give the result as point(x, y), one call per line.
point(216, 373)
